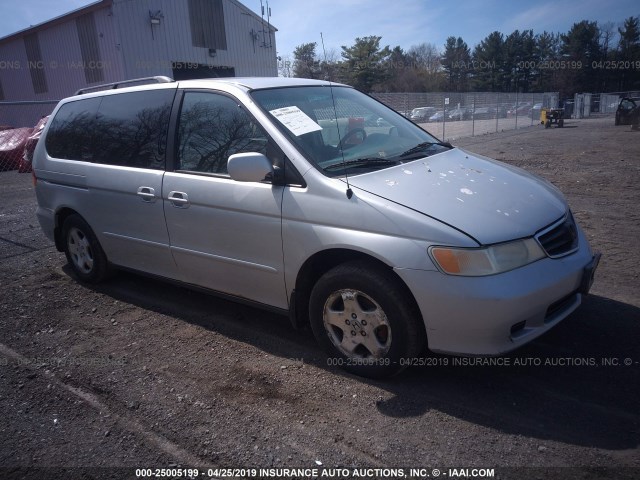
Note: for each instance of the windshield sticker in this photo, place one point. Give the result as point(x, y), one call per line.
point(295, 120)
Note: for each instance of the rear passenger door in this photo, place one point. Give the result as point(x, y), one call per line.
point(225, 235)
point(128, 152)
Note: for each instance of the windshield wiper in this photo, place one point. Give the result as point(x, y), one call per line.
point(422, 146)
point(363, 163)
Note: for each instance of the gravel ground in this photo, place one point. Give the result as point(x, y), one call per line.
point(136, 373)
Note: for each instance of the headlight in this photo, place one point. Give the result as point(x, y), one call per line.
point(476, 262)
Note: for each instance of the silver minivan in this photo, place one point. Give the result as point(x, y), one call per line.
point(285, 194)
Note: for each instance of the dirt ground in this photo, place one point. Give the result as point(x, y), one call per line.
point(135, 373)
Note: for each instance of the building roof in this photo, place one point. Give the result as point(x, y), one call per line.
point(100, 4)
point(58, 20)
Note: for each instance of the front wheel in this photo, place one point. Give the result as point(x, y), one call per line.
point(365, 320)
point(83, 251)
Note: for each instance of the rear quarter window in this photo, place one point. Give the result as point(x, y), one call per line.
point(69, 135)
point(128, 129)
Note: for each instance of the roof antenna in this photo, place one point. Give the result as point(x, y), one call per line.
point(264, 42)
point(269, 23)
point(335, 112)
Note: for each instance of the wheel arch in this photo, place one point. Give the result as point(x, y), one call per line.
point(61, 215)
point(321, 262)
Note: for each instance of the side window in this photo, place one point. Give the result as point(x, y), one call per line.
point(128, 129)
point(70, 133)
point(628, 104)
point(212, 127)
point(131, 129)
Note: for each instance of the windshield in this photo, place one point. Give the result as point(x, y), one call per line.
point(342, 131)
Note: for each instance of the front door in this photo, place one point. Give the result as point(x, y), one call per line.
point(224, 235)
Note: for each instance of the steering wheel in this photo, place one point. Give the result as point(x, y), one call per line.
point(349, 134)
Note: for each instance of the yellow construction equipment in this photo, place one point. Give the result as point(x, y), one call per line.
point(552, 115)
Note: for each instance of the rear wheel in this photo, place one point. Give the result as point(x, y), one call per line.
point(365, 321)
point(83, 251)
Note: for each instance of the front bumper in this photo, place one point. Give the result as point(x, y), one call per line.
point(496, 314)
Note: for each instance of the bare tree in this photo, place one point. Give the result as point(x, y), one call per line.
point(607, 38)
point(285, 66)
point(425, 56)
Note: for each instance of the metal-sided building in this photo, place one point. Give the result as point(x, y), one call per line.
point(113, 40)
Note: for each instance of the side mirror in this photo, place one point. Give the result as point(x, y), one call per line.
point(249, 167)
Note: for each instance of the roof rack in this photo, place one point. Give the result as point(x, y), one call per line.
point(138, 81)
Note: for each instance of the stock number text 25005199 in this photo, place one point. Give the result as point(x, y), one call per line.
point(551, 65)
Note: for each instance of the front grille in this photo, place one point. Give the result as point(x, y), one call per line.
point(560, 239)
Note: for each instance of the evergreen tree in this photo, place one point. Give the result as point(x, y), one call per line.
point(400, 71)
point(456, 62)
point(547, 50)
point(629, 51)
point(305, 63)
point(519, 52)
point(364, 64)
point(580, 51)
point(488, 61)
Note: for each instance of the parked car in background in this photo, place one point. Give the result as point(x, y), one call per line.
point(460, 113)
point(422, 114)
point(535, 111)
point(11, 147)
point(520, 110)
point(502, 109)
point(483, 113)
point(628, 111)
point(24, 165)
point(437, 117)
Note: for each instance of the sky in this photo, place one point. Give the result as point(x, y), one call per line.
point(401, 22)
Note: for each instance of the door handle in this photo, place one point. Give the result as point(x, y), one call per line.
point(178, 199)
point(147, 194)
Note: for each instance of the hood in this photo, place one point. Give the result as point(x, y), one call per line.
point(488, 200)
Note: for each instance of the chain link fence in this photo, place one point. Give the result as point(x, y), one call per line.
point(20, 125)
point(455, 115)
point(590, 104)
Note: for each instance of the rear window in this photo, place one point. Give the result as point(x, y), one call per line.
point(128, 129)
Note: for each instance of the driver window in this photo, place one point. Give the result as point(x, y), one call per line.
point(627, 105)
point(212, 127)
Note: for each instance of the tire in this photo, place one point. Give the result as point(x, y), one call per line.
point(617, 122)
point(365, 321)
point(84, 253)
point(561, 123)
